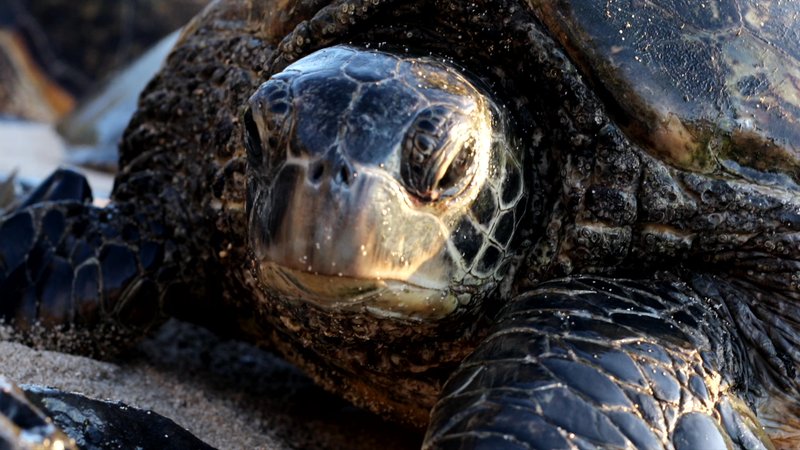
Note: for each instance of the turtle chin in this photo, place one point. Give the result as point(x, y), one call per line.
point(398, 299)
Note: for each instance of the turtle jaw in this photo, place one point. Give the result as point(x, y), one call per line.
point(362, 246)
point(380, 297)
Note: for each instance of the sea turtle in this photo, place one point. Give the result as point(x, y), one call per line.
point(520, 224)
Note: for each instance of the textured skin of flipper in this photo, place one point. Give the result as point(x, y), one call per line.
point(95, 424)
point(66, 265)
point(62, 184)
point(47, 419)
point(24, 426)
point(589, 363)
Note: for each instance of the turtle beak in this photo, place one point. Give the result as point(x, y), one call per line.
point(342, 239)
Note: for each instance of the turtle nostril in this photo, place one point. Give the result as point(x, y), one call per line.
point(316, 171)
point(336, 172)
point(344, 176)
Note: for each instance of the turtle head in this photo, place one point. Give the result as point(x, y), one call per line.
point(379, 183)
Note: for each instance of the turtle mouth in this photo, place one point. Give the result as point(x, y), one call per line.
point(380, 297)
point(360, 247)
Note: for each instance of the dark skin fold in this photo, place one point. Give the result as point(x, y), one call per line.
point(652, 298)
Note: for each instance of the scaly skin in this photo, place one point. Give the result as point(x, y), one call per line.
point(585, 362)
point(33, 418)
point(23, 426)
point(70, 266)
point(718, 243)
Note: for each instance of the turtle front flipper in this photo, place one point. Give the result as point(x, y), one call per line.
point(70, 267)
point(598, 363)
point(34, 417)
point(62, 184)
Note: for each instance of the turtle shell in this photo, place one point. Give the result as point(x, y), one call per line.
point(708, 86)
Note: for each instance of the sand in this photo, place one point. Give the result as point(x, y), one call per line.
point(229, 394)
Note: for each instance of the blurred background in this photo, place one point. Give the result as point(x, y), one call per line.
point(70, 75)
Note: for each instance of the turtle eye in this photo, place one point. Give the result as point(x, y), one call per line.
point(435, 162)
point(456, 172)
point(266, 121)
point(252, 141)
